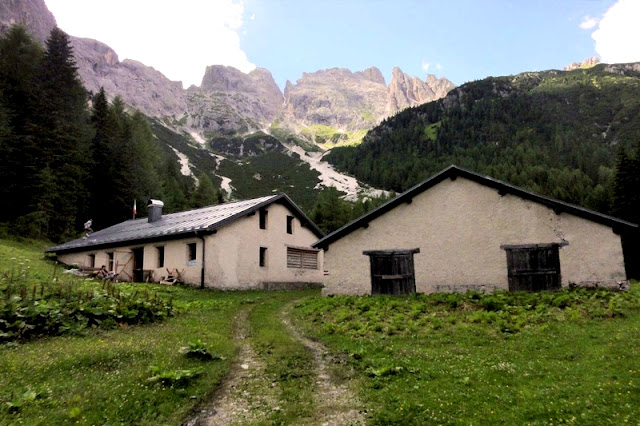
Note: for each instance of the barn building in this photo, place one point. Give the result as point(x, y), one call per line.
point(262, 243)
point(460, 230)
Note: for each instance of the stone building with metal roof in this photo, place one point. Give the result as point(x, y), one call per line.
point(460, 230)
point(259, 243)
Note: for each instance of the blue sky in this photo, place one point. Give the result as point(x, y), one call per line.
point(462, 40)
point(468, 39)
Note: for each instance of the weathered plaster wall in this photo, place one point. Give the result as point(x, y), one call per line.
point(459, 227)
point(233, 253)
point(175, 257)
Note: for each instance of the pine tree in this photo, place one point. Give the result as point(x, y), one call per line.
point(63, 135)
point(205, 194)
point(20, 58)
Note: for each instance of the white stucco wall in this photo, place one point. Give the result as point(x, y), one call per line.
point(459, 227)
point(232, 254)
point(175, 257)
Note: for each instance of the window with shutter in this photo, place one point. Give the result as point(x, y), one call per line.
point(300, 258)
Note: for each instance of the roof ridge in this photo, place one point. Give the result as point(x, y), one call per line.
point(453, 171)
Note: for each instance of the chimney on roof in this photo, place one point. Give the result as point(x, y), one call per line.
point(155, 210)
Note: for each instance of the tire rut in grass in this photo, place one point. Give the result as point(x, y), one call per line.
point(247, 395)
point(335, 402)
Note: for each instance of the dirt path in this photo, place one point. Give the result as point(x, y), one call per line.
point(335, 402)
point(248, 394)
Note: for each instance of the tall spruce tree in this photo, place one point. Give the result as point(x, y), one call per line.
point(627, 204)
point(205, 194)
point(63, 135)
point(20, 59)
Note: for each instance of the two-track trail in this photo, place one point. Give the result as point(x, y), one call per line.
point(249, 394)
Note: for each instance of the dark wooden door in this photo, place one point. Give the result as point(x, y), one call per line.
point(138, 259)
point(392, 272)
point(534, 268)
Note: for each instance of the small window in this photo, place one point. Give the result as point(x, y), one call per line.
point(92, 260)
point(191, 247)
point(304, 259)
point(160, 252)
point(263, 219)
point(263, 256)
point(289, 224)
point(110, 262)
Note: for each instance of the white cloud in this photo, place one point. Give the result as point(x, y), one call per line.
point(438, 66)
point(425, 65)
point(588, 23)
point(180, 41)
point(618, 33)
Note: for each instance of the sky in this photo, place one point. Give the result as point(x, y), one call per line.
point(463, 40)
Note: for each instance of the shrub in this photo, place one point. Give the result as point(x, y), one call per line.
point(198, 350)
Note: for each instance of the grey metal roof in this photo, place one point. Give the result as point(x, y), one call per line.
point(174, 225)
point(452, 172)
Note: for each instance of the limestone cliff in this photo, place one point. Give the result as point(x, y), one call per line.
point(138, 85)
point(337, 97)
point(229, 100)
point(406, 91)
point(34, 15)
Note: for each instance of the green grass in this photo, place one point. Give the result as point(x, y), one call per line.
point(131, 374)
point(287, 361)
point(329, 137)
point(567, 357)
point(512, 358)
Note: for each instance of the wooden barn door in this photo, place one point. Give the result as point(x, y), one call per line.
point(533, 268)
point(392, 271)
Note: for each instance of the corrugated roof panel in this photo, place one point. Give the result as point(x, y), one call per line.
point(169, 224)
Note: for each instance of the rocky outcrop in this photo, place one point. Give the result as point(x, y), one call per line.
point(139, 86)
point(406, 91)
point(337, 97)
point(229, 100)
point(33, 14)
point(342, 99)
point(587, 63)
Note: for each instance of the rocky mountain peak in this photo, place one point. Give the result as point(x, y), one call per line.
point(373, 74)
point(33, 14)
point(587, 63)
point(337, 97)
point(405, 91)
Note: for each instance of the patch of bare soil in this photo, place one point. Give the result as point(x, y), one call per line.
point(335, 402)
point(248, 394)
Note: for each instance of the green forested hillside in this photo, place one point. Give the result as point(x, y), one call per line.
point(556, 133)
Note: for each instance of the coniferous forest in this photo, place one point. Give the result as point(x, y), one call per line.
point(574, 136)
point(67, 155)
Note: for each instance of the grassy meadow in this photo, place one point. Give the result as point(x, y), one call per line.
point(100, 357)
point(569, 357)
point(127, 374)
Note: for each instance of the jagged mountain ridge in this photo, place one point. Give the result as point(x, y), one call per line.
point(228, 101)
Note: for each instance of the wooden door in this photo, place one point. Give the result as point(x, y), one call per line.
point(138, 267)
point(534, 268)
point(392, 271)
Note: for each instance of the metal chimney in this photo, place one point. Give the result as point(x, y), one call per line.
point(155, 210)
